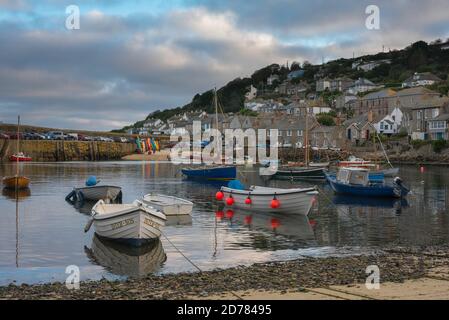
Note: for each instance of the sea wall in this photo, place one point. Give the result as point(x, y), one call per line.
point(47, 151)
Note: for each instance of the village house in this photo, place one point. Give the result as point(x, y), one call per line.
point(323, 84)
point(438, 127)
point(360, 129)
point(342, 101)
point(390, 124)
point(323, 137)
point(416, 120)
point(421, 79)
point(272, 78)
point(362, 85)
point(368, 66)
point(251, 94)
point(379, 102)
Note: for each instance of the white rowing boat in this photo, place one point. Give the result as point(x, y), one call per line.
point(169, 205)
point(134, 223)
point(294, 201)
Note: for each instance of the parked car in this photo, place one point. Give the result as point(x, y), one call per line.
point(72, 136)
point(106, 139)
point(14, 136)
point(120, 139)
point(88, 138)
point(56, 135)
point(33, 136)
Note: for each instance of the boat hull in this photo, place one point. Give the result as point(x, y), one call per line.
point(293, 201)
point(96, 193)
point(218, 173)
point(135, 228)
point(300, 173)
point(374, 190)
point(16, 182)
point(14, 158)
point(170, 206)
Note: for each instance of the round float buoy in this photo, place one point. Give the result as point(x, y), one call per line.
point(229, 214)
point(248, 200)
point(275, 203)
point(230, 201)
point(219, 195)
point(219, 215)
point(275, 223)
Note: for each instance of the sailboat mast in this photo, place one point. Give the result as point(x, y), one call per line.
point(306, 157)
point(216, 107)
point(18, 145)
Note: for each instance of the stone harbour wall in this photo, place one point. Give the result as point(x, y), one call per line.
point(48, 151)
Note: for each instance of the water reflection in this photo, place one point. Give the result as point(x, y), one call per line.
point(14, 195)
point(124, 260)
point(179, 220)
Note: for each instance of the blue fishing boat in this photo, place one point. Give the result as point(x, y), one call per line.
point(211, 173)
point(355, 181)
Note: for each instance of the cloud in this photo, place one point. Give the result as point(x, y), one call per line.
point(129, 60)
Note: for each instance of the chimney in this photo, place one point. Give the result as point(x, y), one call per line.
point(370, 116)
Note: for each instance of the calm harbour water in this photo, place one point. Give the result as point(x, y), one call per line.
point(47, 234)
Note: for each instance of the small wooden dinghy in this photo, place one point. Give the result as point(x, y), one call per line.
point(20, 157)
point(135, 223)
point(16, 182)
point(95, 193)
point(262, 199)
point(169, 205)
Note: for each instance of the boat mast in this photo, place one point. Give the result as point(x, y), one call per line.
point(216, 107)
point(18, 146)
point(306, 137)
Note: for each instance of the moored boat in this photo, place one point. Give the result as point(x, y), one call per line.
point(95, 193)
point(297, 173)
point(16, 182)
point(20, 157)
point(211, 172)
point(263, 199)
point(134, 223)
point(169, 205)
point(355, 181)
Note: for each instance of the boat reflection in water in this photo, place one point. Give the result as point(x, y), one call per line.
point(124, 260)
point(367, 202)
point(179, 220)
point(19, 194)
point(295, 226)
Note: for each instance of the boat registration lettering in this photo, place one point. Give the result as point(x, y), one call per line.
point(150, 223)
point(122, 224)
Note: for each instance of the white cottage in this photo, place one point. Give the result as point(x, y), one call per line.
point(390, 124)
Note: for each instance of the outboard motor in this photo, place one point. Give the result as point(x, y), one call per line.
point(92, 181)
point(398, 181)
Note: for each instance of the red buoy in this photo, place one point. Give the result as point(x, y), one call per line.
point(229, 214)
point(219, 196)
point(219, 215)
point(275, 203)
point(275, 223)
point(248, 200)
point(230, 201)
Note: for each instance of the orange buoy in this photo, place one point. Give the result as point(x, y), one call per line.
point(275, 203)
point(229, 214)
point(248, 200)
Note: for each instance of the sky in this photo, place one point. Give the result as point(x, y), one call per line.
point(129, 58)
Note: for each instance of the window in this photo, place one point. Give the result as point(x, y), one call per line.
point(299, 133)
point(279, 133)
point(381, 126)
point(289, 133)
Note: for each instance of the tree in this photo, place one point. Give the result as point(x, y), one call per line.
point(295, 66)
point(326, 120)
